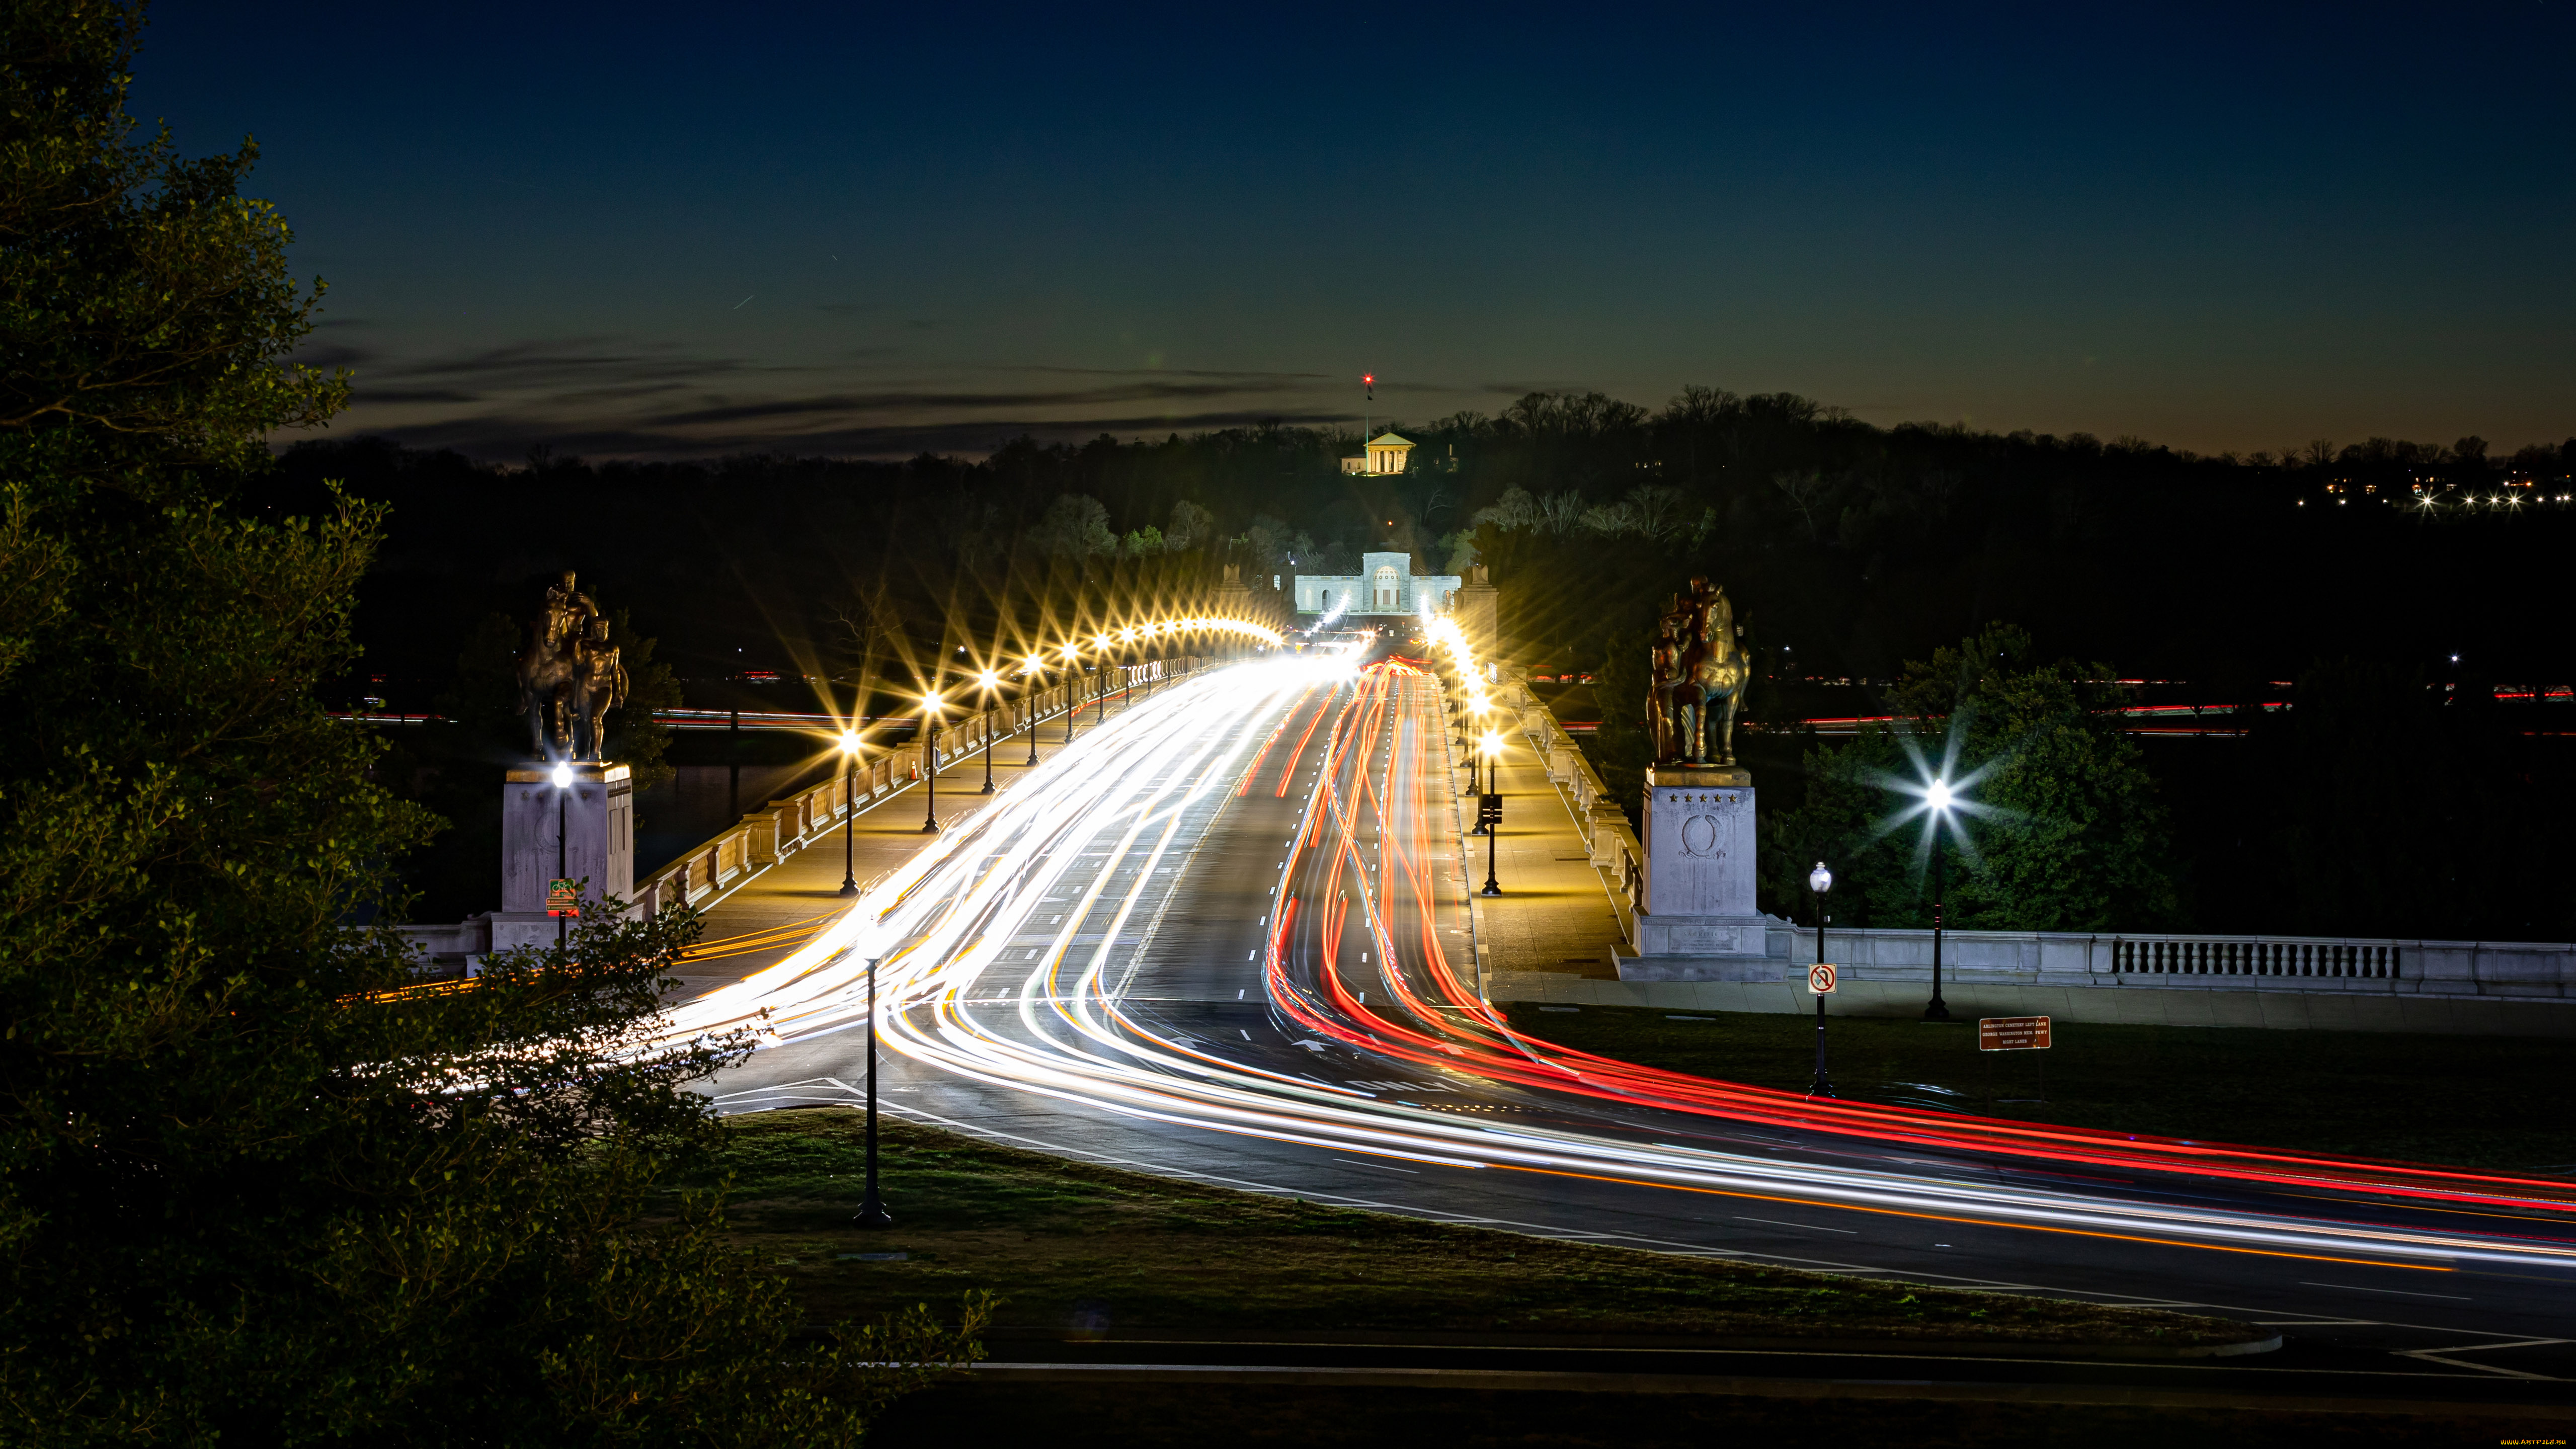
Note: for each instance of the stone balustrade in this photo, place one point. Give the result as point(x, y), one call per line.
point(2236, 963)
point(1616, 851)
point(2042, 958)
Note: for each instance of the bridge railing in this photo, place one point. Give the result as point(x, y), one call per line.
point(2130, 959)
point(1604, 826)
point(765, 836)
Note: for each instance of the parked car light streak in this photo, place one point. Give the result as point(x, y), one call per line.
point(943, 922)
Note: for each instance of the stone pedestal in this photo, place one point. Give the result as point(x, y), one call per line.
point(583, 831)
point(1698, 920)
point(1479, 613)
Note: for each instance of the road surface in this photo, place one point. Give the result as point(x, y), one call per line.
point(1225, 937)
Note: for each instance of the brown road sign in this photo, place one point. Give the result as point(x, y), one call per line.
point(1820, 979)
point(2012, 1033)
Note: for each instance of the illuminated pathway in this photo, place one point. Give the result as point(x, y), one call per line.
point(1223, 936)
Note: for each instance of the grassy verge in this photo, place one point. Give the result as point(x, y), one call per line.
point(2419, 1098)
point(1129, 1416)
point(1079, 1248)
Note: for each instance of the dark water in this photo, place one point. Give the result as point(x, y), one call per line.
point(698, 802)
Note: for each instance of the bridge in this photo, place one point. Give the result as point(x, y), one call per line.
point(1231, 930)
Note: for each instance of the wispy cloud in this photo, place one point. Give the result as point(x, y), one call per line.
point(510, 436)
point(610, 397)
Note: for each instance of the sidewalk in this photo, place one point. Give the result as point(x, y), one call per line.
point(772, 912)
point(1554, 913)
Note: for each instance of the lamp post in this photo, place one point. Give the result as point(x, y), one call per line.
point(1493, 746)
point(991, 682)
point(849, 813)
point(872, 1212)
point(930, 759)
point(1938, 797)
point(1479, 779)
point(1072, 676)
point(1820, 880)
point(563, 863)
point(1037, 670)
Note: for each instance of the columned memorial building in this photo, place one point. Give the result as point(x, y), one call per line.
point(1385, 584)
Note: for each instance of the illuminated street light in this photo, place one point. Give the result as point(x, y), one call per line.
point(990, 682)
point(930, 759)
point(1036, 671)
point(1820, 880)
point(1073, 676)
point(1937, 800)
point(849, 812)
point(563, 794)
point(1489, 810)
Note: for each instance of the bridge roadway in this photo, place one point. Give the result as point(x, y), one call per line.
point(1224, 937)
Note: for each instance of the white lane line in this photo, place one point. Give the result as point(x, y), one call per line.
point(2397, 1292)
point(1414, 1171)
point(1810, 1227)
point(2444, 1357)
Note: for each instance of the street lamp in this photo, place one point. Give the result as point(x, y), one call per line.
point(1072, 675)
point(1493, 747)
point(1820, 880)
point(1938, 798)
point(1100, 695)
point(849, 812)
point(1474, 778)
point(872, 1212)
point(1037, 669)
point(563, 863)
point(930, 759)
point(991, 682)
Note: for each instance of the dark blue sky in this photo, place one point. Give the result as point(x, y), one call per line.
point(541, 222)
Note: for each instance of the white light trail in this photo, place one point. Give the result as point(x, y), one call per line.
point(1053, 1025)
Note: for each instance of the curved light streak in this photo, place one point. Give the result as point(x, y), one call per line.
point(1053, 1025)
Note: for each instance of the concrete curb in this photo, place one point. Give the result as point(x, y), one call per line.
point(1507, 1380)
point(1662, 1343)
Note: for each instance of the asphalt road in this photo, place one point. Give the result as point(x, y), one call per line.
point(1225, 938)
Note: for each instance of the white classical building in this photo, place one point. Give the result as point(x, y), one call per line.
point(1385, 584)
point(1387, 453)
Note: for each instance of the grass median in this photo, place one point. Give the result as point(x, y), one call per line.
point(1085, 1250)
point(2468, 1101)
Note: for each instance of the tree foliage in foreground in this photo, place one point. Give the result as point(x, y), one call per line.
point(2068, 834)
point(250, 1190)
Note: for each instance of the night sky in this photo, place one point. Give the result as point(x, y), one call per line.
point(624, 230)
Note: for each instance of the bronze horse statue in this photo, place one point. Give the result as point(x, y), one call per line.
point(1698, 692)
point(550, 669)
